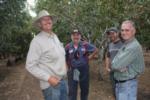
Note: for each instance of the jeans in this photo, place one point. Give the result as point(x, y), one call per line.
point(83, 82)
point(59, 92)
point(126, 90)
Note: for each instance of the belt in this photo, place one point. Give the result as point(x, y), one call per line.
point(122, 81)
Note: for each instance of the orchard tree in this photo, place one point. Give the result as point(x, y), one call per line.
point(95, 16)
point(15, 22)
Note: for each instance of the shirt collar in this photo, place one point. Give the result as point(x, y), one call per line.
point(48, 34)
point(129, 41)
point(79, 44)
point(117, 41)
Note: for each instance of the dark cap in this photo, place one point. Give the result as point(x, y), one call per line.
point(75, 31)
point(112, 29)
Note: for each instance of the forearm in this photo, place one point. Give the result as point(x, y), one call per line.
point(123, 69)
point(92, 55)
point(123, 60)
point(107, 63)
point(37, 72)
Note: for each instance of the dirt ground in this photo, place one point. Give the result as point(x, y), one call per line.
point(102, 90)
point(17, 84)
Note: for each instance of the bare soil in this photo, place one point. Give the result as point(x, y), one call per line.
point(102, 90)
point(17, 84)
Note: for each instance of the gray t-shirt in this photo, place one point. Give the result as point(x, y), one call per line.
point(113, 49)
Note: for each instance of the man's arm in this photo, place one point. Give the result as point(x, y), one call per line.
point(68, 65)
point(124, 58)
point(92, 55)
point(33, 60)
point(32, 65)
point(107, 63)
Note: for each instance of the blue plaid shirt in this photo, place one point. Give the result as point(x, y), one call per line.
point(78, 57)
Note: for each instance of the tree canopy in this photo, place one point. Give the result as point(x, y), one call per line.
point(91, 17)
point(94, 16)
point(14, 26)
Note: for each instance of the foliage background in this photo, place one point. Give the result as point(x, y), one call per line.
point(90, 16)
point(95, 16)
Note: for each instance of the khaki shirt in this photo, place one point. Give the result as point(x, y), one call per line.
point(46, 57)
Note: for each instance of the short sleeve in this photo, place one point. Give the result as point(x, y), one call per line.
point(90, 48)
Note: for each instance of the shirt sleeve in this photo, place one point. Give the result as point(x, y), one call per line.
point(67, 54)
point(33, 60)
point(124, 58)
point(91, 48)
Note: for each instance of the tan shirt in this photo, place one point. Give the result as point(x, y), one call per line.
point(46, 57)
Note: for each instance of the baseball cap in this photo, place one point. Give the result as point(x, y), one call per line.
point(112, 29)
point(75, 31)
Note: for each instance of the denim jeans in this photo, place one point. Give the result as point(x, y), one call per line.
point(83, 82)
point(126, 90)
point(59, 92)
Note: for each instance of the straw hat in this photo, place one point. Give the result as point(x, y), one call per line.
point(41, 14)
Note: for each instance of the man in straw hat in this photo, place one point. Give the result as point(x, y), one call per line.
point(46, 59)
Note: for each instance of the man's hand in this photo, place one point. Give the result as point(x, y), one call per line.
point(54, 81)
point(108, 69)
point(93, 55)
point(124, 69)
point(90, 57)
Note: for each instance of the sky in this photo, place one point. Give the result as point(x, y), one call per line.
point(31, 4)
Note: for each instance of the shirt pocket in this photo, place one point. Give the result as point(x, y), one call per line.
point(49, 54)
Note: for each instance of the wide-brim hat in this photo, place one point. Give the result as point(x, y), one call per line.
point(41, 14)
point(112, 29)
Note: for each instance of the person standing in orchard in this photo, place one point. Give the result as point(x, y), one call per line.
point(128, 64)
point(113, 47)
point(46, 59)
point(78, 53)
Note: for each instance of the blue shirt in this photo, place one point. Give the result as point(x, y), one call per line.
point(78, 57)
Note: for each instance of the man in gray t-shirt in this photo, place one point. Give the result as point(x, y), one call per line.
point(112, 49)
